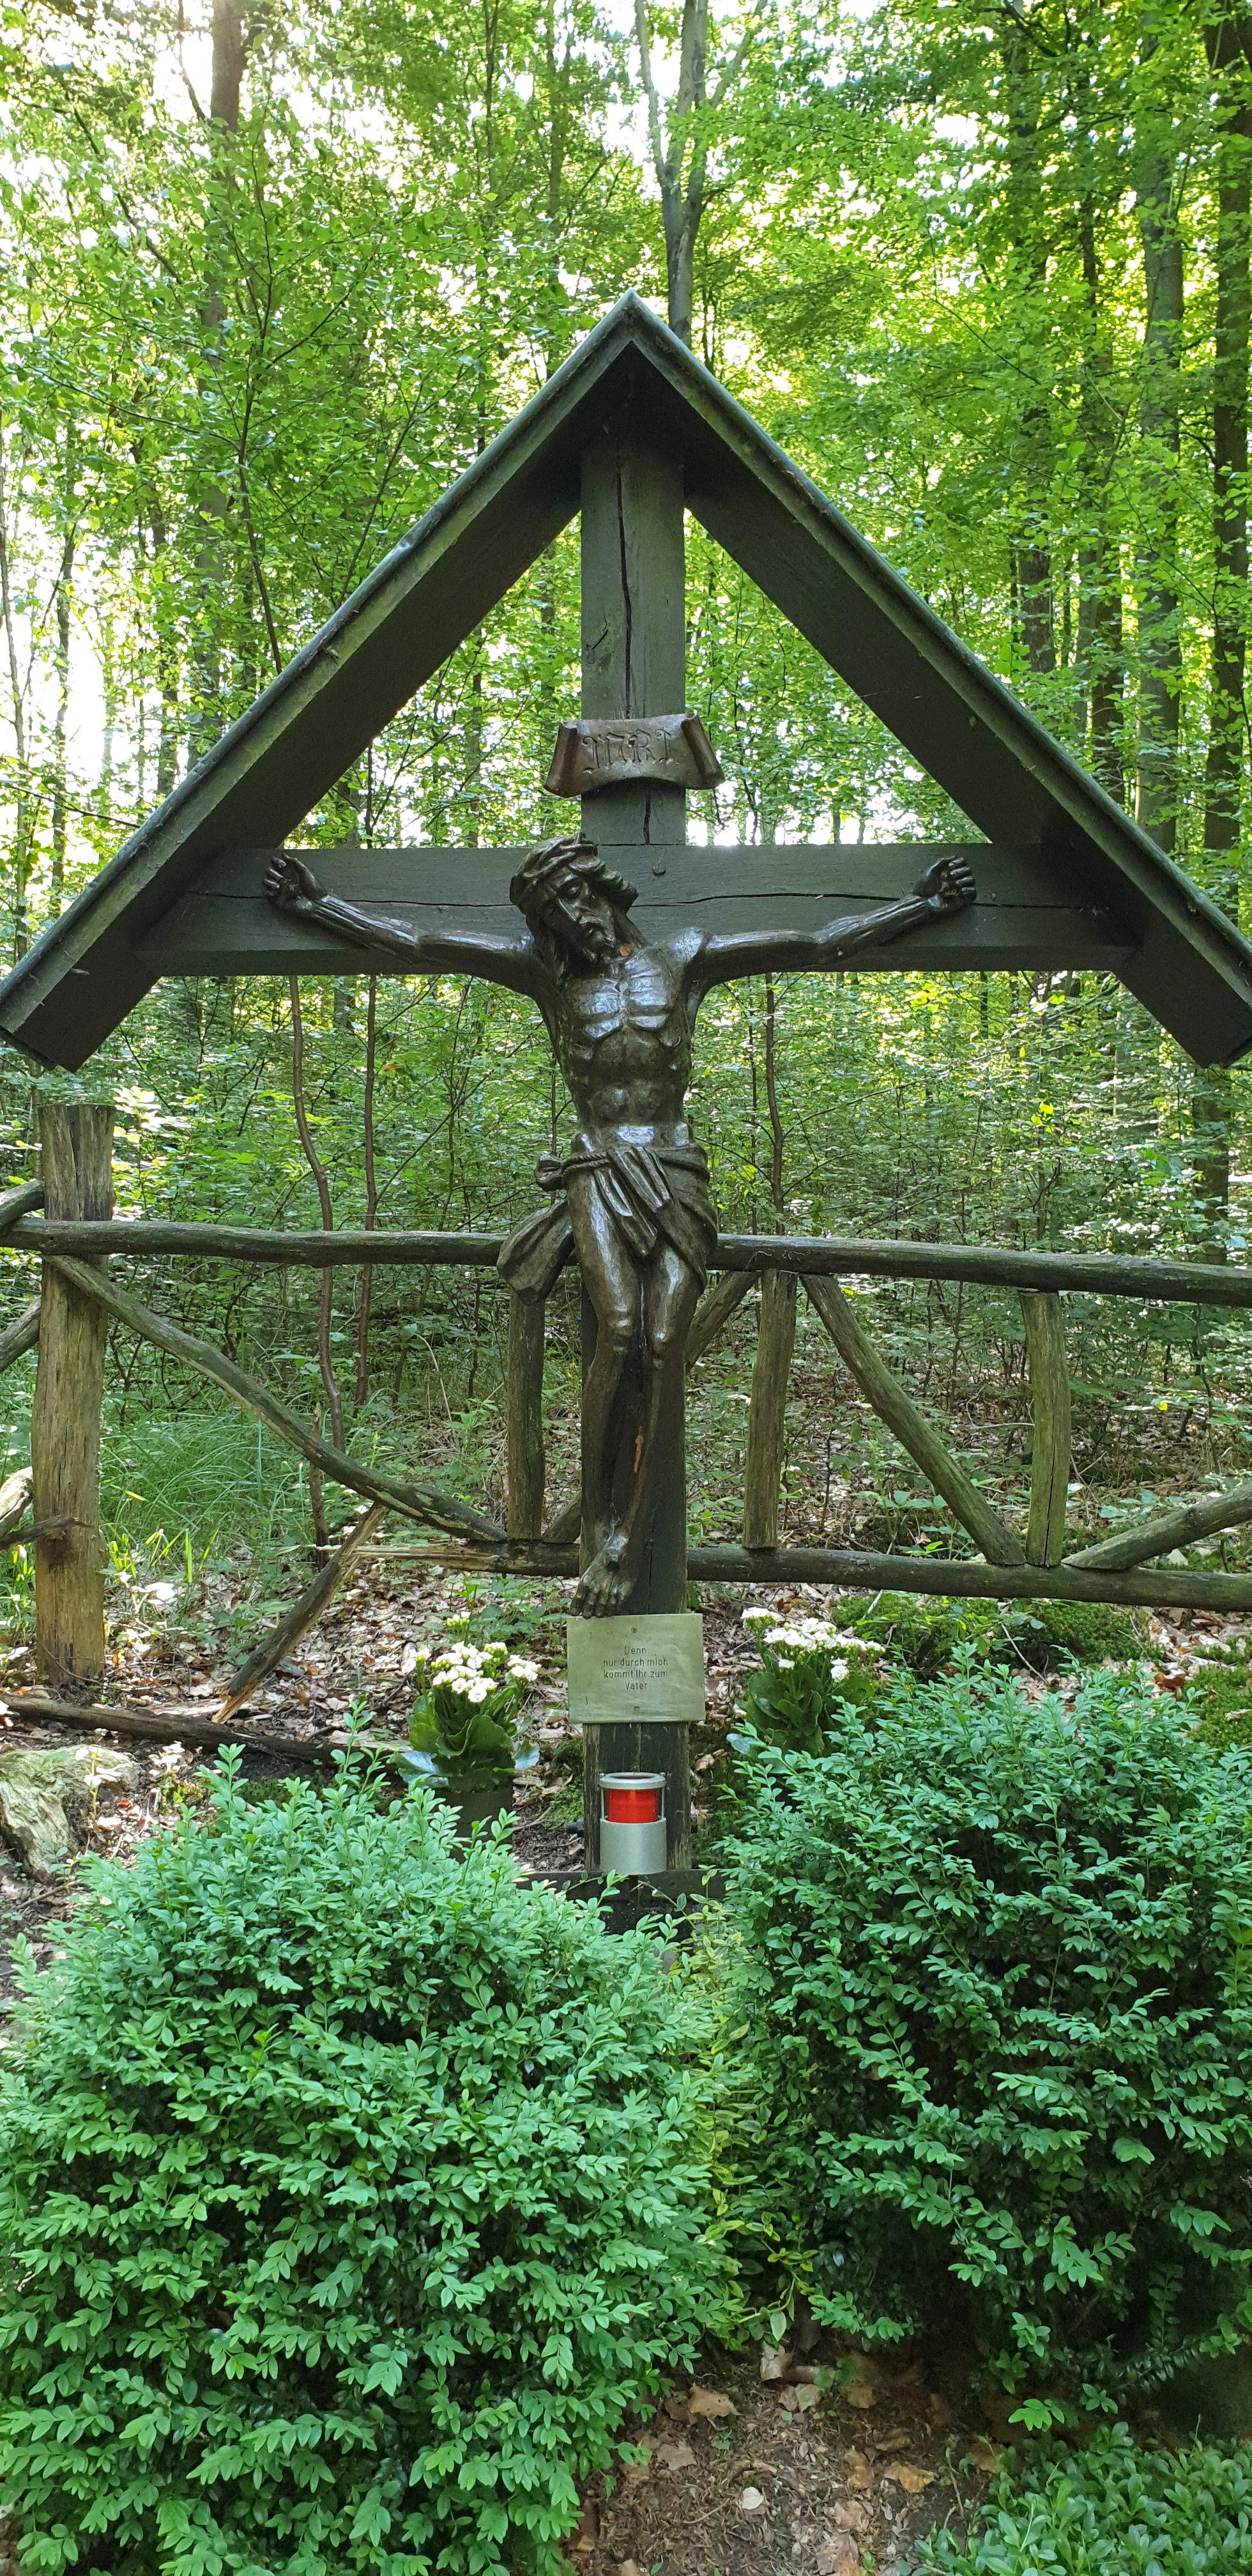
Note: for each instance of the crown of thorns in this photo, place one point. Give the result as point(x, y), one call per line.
point(544, 871)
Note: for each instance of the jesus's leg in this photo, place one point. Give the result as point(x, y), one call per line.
point(612, 1285)
point(670, 1296)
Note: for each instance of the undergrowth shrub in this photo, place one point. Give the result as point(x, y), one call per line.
point(994, 1967)
point(929, 1633)
point(1110, 2510)
point(351, 2194)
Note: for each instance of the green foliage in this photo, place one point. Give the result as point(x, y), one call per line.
point(1110, 2510)
point(465, 1718)
point(351, 2196)
point(1219, 1695)
point(1080, 1632)
point(996, 1974)
point(807, 1666)
point(928, 1633)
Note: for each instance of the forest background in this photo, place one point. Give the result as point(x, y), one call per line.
point(270, 280)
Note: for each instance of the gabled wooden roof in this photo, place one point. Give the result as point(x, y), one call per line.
point(1188, 965)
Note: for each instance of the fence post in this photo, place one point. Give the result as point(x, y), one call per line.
point(77, 1143)
point(771, 1369)
point(1050, 1413)
point(523, 1415)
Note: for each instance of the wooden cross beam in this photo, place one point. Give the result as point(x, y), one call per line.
point(1027, 919)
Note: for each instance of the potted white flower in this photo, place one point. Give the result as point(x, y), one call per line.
point(464, 1728)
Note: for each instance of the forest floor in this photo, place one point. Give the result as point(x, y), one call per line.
point(746, 2475)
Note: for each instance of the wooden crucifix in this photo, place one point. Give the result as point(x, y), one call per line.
point(632, 1199)
point(631, 430)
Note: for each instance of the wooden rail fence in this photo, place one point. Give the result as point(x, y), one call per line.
point(76, 1235)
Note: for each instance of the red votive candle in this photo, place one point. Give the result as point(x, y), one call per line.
point(632, 1806)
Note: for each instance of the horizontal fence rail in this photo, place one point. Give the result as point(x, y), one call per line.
point(79, 1237)
point(1100, 1274)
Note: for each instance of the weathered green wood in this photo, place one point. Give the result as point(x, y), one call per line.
point(1100, 1274)
point(713, 1314)
point(858, 1570)
point(634, 663)
point(1050, 1415)
point(184, 1726)
point(18, 1203)
point(634, 648)
point(20, 1336)
point(76, 1147)
point(417, 1502)
point(523, 1418)
point(896, 1408)
point(1191, 967)
point(301, 1615)
point(1168, 1530)
point(771, 1370)
point(1026, 918)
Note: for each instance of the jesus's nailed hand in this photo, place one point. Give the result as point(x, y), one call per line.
point(292, 885)
point(948, 885)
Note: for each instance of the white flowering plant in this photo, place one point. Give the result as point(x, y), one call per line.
point(466, 1716)
point(807, 1665)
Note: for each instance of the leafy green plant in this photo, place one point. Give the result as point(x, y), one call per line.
point(352, 2193)
point(465, 1719)
point(928, 1634)
point(1219, 1696)
point(1110, 2510)
point(806, 1667)
point(996, 1975)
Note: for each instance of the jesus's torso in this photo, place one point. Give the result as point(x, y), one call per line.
point(623, 1040)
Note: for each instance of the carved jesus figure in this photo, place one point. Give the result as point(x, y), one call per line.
point(632, 1197)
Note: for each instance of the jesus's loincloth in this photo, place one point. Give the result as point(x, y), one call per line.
point(651, 1194)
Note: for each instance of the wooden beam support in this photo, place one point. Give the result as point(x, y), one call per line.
point(1050, 1414)
point(179, 1726)
point(713, 1314)
point(77, 1155)
point(523, 1417)
point(315, 1598)
point(1096, 1274)
point(1027, 918)
point(15, 1204)
point(896, 1408)
point(859, 1570)
point(634, 664)
point(771, 1370)
point(1168, 1530)
point(634, 627)
point(417, 1502)
point(20, 1336)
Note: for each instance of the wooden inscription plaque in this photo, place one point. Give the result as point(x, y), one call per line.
point(626, 751)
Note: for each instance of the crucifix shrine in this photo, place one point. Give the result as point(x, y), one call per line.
point(616, 932)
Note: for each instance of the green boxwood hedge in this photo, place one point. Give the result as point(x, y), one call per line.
point(351, 2194)
point(994, 1968)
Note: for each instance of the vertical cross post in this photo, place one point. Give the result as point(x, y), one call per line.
point(634, 664)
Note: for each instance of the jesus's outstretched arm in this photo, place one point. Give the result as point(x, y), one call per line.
point(293, 888)
point(948, 886)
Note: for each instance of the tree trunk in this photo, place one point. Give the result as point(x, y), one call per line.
point(1228, 41)
point(1028, 270)
point(65, 1423)
point(229, 61)
point(61, 664)
point(1100, 640)
point(1159, 621)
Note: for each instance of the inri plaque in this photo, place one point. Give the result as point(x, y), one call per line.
point(650, 1667)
